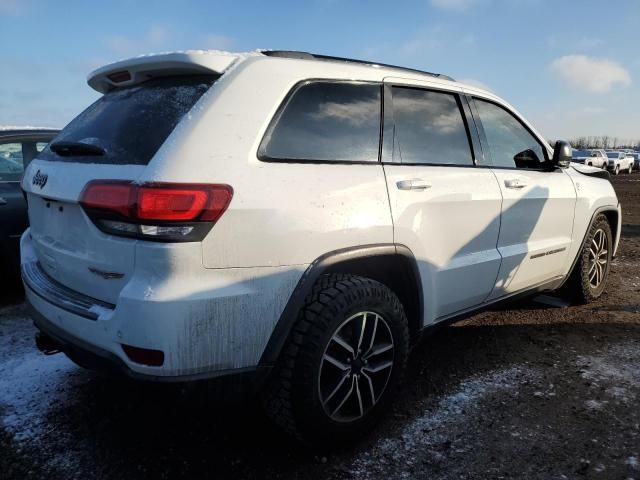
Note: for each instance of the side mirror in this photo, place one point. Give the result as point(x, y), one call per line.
point(562, 154)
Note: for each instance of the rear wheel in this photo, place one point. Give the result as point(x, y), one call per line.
point(589, 277)
point(342, 363)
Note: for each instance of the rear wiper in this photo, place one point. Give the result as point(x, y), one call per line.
point(76, 149)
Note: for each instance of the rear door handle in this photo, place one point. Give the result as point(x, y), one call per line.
point(515, 183)
point(2, 201)
point(413, 184)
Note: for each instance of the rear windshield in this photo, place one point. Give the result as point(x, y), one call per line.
point(131, 123)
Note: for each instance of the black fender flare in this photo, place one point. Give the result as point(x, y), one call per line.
point(318, 267)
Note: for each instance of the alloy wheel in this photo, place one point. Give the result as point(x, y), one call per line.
point(356, 367)
point(598, 258)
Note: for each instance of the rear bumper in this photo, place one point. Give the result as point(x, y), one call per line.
point(248, 379)
point(207, 323)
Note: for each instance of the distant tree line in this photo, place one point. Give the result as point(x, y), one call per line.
point(603, 141)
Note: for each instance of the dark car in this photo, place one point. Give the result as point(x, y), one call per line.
point(17, 148)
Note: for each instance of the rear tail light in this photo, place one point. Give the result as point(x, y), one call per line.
point(155, 211)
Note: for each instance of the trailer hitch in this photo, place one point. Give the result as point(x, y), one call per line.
point(47, 344)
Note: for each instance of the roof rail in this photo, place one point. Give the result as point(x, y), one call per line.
point(327, 58)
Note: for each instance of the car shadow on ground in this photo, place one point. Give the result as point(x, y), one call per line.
point(118, 428)
point(631, 231)
point(11, 292)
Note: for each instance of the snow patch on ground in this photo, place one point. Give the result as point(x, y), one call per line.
point(30, 382)
point(595, 404)
point(429, 429)
point(616, 372)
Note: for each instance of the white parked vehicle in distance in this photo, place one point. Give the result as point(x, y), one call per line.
point(620, 162)
point(298, 219)
point(593, 158)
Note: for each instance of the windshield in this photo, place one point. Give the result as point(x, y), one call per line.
point(612, 154)
point(129, 124)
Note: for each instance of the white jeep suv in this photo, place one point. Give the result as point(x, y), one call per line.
point(620, 162)
point(298, 219)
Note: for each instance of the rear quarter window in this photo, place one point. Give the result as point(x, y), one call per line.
point(326, 121)
point(131, 123)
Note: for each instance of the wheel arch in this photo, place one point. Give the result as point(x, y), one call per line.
point(612, 214)
point(390, 264)
point(613, 217)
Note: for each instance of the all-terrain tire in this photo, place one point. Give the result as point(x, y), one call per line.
point(580, 285)
point(292, 397)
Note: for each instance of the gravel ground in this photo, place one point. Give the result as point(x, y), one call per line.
point(524, 391)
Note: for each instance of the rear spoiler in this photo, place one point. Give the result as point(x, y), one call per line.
point(137, 70)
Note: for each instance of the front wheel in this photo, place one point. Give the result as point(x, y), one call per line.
point(589, 277)
point(630, 169)
point(617, 170)
point(342, 363)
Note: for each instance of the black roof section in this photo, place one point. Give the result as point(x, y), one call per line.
point(328, 58)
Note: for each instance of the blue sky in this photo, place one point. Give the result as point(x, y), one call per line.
point(571, 67)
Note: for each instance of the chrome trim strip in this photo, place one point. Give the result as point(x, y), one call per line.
point(550, 252)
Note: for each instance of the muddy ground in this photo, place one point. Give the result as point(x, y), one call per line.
point(525, 391)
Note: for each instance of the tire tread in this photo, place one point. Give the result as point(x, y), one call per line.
point(329, 291)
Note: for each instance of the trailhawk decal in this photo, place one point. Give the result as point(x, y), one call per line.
point(106, 275)
point(550, 252)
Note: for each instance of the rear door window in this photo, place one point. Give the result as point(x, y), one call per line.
point(326, 121)
point(131, 123)
point(429, 128)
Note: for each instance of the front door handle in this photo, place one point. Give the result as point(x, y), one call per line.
point(2, 201)
point(515, 183)
point(413, 184)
